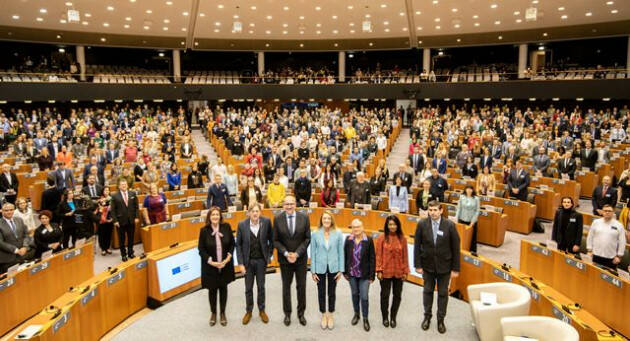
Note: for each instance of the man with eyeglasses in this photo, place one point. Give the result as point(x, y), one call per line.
point(606, 241)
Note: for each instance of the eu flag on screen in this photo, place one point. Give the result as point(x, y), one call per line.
point(176, 270)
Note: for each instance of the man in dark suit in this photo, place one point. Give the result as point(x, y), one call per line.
point(416, 160)
point(63, 177)
point(602, 195)
point(124, 210)
point(92, 189)
point(291, 236)
point(485, 160)
point(407, 178)
point(51, 197)
point(8, 184)
point(436, 258)
point(518, 181)
point(254, 247)
point(218, 194)
point(566, 166)
point(112, 153)
point(54, 147)
point(589, 156)
point(88, 168)
point(14, 246)
point(541, 162)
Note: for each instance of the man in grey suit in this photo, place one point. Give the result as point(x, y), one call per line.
point(254, 248)
point(541, 162)
point(64, 177)
point(436, 258)
point(14, 246)
point(291, 236)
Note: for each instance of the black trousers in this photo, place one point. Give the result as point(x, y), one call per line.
point(442, 281)
point(256, 269)
point(473, 240)
point(326, 283)
point(212, 297)
point(126, 230)
point(105, 235)
point(394, 285)
point(288, 271)
point(607, 262)
point(69, 231)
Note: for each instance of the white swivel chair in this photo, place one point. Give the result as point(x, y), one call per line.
point(541, 328)
point(511, 300)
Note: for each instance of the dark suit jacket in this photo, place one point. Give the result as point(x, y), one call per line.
point(568, 169)
point(407, 179)
point(59, 180)
point(284, 242)
point(589, 160)
point(265, 238)
point(485, 162)
point(9, 242)
point(121, 213)
point(367, 260)
point(432, 196)
point(419, 166)
point(111, 155)
point(599, 200)
point(212, 277)
point(4, 183)
point(521, 182)
point(97, 187)
point(50, 199)
point(440, 257)
point(570, 236)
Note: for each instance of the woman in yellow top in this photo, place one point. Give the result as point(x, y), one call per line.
point(275, 192)
point(350, 132)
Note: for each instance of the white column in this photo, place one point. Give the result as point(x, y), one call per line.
point(426, 59)
point(177, 67)
point(342, 66)
point(80, 52)
point(628, 58)
point(522, 60)
point(261, 63)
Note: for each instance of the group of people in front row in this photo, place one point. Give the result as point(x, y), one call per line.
point(358, 258)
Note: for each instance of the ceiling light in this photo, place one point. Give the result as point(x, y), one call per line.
point(517, 12)
point(266, 45)
point(268, 32)
point(535, 2)
point(301, 45)
point(437, 19)
point(518, 21)
point(500, 37)
point(493, 6)
point(216, 30)
point(146, 27)
point(371, 44)
point(269, 17)
point(235, 16)
point(419, 28)
point(196, 43)
point(103, 39)
point(161, 54)
point(184, 29)
point(454, 10)
point(609, 3)
point(385, 23)
point(336, 44)
point(419, 41)
point(40, 19)
point(588, 14)
point(301, 17)
point(110, 8)
point(318, 8)
point(58, 36)
point(402, 14)
point(220, 6)
point(252, 25)
point(418, 12)
point(15, 17)
point(564, 17)
point(545, 34)
point(253, 8)
point(301, 32)
point(541, 48)
point(352, 31)
point(404, 29)
point(285, 32)
point(318, 32)
point(383, 5)
point(68, 3)
point(318, 25)
point(169, 3)
point(88, 15)
point(183, 43)
point(85, 23)
point(251, 32)
point(149, 11)
point(126, 26)
point(286, 8)
point(456, 25)
point(335, 31)
point(334, 17)
point(166, 21)
point(438, 27)
point(560, 8)
point(435, 2)
point(43, 10)
point(217, 23)
point(185, 14)
point(132, 0)
point(477, 24)
point(475, 16)
point(106, 24)
point(285, 25)
point(387, 30)
point(614, 11)
point(350, 7)
point(165, 28)
point(498, 22)
point(62, 21)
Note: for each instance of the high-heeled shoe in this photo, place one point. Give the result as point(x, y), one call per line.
point(223, 320)
point(213, 320)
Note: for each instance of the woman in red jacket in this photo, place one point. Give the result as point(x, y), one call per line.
point(330, 195)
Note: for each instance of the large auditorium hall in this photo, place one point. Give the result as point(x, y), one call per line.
point(315, 169)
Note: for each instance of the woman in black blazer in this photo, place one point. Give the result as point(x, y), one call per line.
point(247, 192)
point(65, 211)
point(195, 177)
point(470, 168)
point(567, 227)
point(216, 246)
point(360, 268)
point(424, 197)
point(47, 236)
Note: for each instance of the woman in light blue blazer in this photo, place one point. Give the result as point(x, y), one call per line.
point(398, 196)
point(327, 264)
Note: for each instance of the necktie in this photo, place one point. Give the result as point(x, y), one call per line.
point(125, 198)
point(566, 161)
point(604, 191)
point(8, 178)
point(12, 225)
point(291, 228)
point(435, 229)
point(92, 191)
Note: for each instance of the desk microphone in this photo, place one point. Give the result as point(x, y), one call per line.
point(505, 267)
point(173, 245)
point(143, 256)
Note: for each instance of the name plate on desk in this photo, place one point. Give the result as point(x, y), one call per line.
point(484, 213)
point(575, 263)
point(359, 213)
point(455, 195)
point(502, 274)
point(277, 211)
point(141, 265)
point(533, 293)
point(535, 191)
point(610, 279)
point(543, 187)
point(472, 260)
point(383, 214)
point(484, 198)
point(71, 254)
point(542, 250)
point(183, 205)
point(198, 220)
point(557, 181)
point(5, 284)
point(228, 215)
point(511, 202)
point(114, 279)
point(29, 175)
point(87, 298)
point(460, 182)
point(178, 193)
point(61, 322)
point(168, 226)
point(39, 267)
point(560, 315)
point(580, 173)
point(413, 218)
point(200, 190)
point(535, 178)
point(335, 210)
